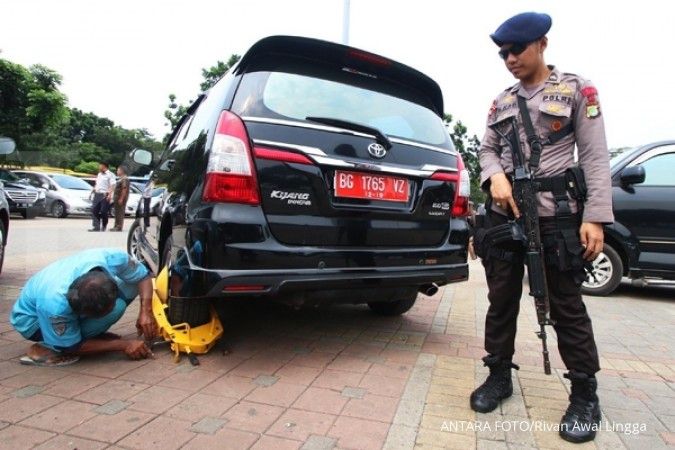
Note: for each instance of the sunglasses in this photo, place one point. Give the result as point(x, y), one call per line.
point(515, 49)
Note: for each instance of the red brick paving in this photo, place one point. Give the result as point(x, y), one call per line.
point(372, 407)
point(163, 432)
point(111, 428)
point(321, 400)
point(61, 417)
point(254, 417)
point(279, 394)
point(276, 443)
point(370, 435)
point(63, 441)
point(198, 406)
point(223, 439)
point(299, 425)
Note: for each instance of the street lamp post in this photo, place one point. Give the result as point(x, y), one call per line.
point(345, 22)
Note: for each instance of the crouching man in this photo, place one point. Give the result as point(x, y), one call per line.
point(68, 307)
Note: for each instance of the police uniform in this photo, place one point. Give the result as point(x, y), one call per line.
point(42, 312)
point(563, 101)
point(564, 111)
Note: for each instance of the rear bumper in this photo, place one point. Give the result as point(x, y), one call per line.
point(282, 282)
point(198, 282)
point(269, 268)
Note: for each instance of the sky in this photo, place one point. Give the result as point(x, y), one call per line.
point(121, 59)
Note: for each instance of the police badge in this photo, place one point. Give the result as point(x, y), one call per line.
point(59, 324)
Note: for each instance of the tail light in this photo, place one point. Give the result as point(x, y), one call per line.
point(230, 174)
point(460, 205)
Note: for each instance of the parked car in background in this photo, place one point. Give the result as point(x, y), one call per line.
point(23, 198)
point(132, 203)
point(311, 173)
point(66, 194)
point(640, 244)
point(7, 146)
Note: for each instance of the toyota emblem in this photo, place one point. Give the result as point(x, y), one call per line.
point(377, 150)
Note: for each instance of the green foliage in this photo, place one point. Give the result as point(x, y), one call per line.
point(214, 73)
point(87, 167)
point(467, 147)
point(35, 114)
point(175, 111)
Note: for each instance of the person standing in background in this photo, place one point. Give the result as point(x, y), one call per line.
point(120, 197)
point(102, 193)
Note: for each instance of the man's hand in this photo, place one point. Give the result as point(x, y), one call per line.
point(502, 193)
point(146, 324)
point(592, 238)
point(137, 350)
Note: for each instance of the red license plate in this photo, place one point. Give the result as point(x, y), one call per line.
point(370, 186)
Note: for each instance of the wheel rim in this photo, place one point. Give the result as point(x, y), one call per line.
point(57, 209)
point(134, 248)
point(602, 272)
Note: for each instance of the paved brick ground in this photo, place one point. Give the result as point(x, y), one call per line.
point(331, 378)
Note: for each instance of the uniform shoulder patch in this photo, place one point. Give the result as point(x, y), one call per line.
point(590, 93)
point(59, 324)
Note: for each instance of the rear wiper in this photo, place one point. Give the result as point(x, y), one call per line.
point(379, 136)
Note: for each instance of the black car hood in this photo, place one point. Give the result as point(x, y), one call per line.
point(18, 185)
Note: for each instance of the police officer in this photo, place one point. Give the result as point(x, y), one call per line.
point(564, 110)
point(68, 307)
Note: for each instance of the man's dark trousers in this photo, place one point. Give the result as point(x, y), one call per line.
point(576, 343)
point(99, 211)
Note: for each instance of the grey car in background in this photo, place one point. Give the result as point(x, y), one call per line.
point(66, 194)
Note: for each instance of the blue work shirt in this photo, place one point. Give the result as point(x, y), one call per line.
point(43, 305)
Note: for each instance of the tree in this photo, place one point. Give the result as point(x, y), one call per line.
point(467, 147)
point(30, 101)
point(215, 73)
point(211, 75)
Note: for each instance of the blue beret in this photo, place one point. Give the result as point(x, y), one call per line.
point(522, 28)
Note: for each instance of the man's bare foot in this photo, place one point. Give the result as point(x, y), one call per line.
point(37, 351)
point(41, 356)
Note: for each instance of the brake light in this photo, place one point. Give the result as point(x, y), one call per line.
point(460, 205)
point(230, 174)
point(280, 155)
point(368, 57)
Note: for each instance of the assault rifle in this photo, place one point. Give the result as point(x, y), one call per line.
point(524, 193)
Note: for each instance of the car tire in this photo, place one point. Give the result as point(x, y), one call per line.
point(3, 240)
point(29, 214)
point(606, 275)
point(194, 312)
point(394, 308)
point(59, 209)
point(133, 240)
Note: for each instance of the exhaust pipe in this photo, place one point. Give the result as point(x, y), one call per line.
point(429, 289)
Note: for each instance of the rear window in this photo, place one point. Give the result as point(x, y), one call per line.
point(295, 96)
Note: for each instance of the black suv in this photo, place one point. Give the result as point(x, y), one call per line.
point(21, 196)
point(315, 173)
point(640, 244)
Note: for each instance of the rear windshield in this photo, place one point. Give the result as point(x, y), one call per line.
point(341, 95)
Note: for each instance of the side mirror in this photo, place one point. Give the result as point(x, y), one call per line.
point(141, 156)
point(45, 185)
point(7, 145)
point(632, 175)
point(167, 165)
point(2, 185)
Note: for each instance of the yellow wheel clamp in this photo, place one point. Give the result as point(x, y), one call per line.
point(182, 337)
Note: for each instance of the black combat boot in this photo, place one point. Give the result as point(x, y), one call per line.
point(582, 418)
point(496, 387)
